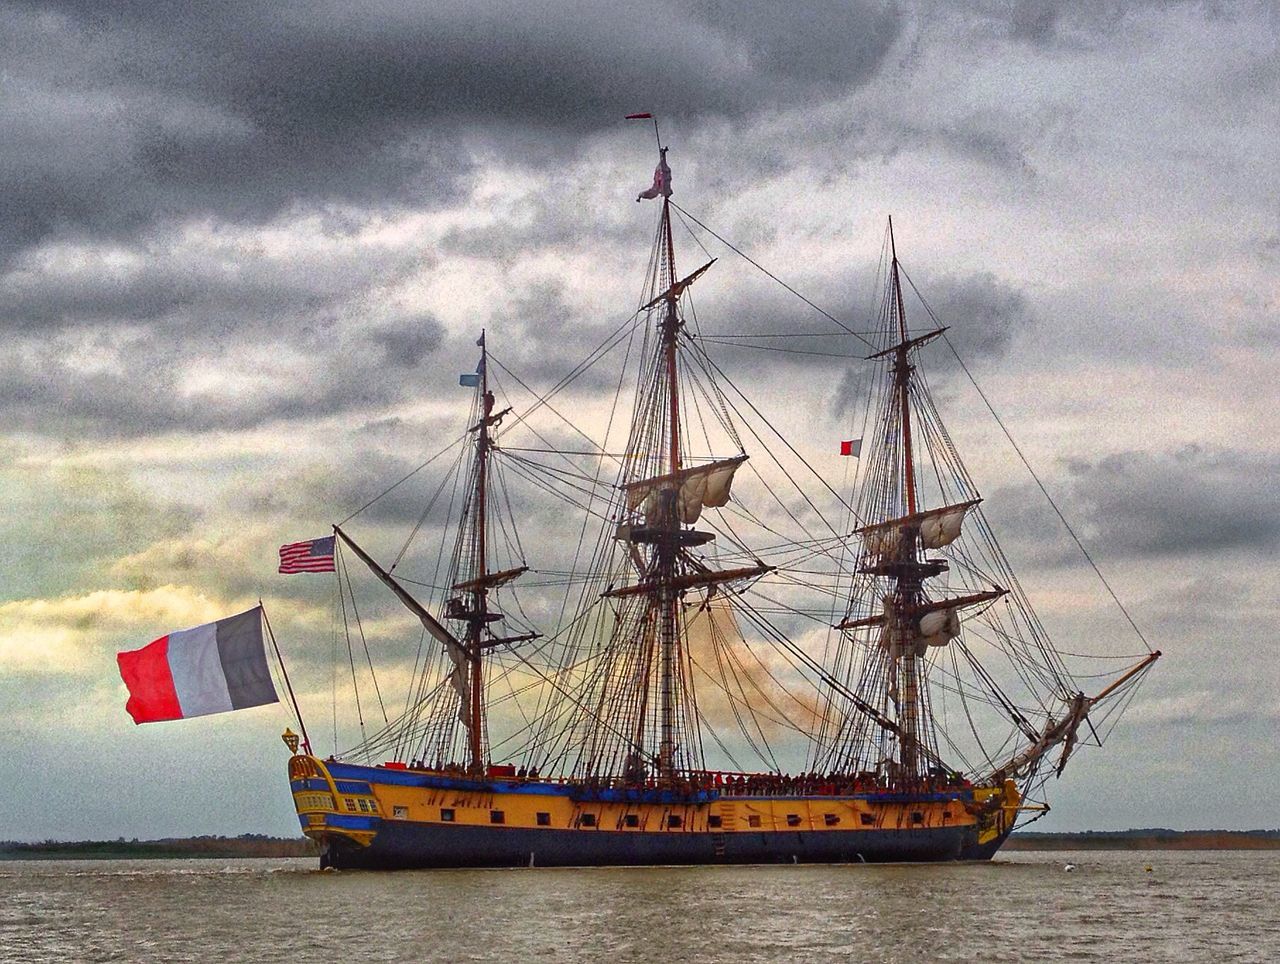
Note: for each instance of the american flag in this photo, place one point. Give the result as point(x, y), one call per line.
point(315, 555)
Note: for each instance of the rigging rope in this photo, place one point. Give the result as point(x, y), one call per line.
point(830, 317)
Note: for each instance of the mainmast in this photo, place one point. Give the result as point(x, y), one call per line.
point(662, 502)
point(668, 600)
point(908, 582)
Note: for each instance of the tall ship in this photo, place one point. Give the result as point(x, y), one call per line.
point(783, 672)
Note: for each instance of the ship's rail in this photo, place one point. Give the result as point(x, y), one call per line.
point(699, 788)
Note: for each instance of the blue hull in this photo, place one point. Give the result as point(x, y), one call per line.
point(404, 845)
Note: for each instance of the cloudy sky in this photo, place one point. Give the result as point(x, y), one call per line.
point(245, 249)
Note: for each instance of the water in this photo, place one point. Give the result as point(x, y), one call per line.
point(1191, 906)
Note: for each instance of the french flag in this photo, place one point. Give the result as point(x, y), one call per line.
point(212, 668)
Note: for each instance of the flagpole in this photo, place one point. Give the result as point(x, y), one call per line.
point(306, 740)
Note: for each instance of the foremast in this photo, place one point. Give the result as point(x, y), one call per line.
point(908, 576)
point(899, 615)
point(893, 557)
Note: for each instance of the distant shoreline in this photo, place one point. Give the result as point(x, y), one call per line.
point(259, 845)
point(1154, 839)
point(180, 848)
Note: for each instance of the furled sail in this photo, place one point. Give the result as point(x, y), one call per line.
point(903, 636)
point(458, 680)
point(882, 543)
point(704, 486)
point(938, 527)
point(939, 627)
point(942, 529)
point(936, 622)
point(492, 580)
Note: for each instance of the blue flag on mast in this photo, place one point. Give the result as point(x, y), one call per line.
point(472, 379)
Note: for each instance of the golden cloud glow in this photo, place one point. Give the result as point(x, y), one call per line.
point(70, 633)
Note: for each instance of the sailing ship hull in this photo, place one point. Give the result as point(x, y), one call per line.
point(363, 817)
point(407, 846)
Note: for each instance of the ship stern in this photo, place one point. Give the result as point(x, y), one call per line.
point(337, 814)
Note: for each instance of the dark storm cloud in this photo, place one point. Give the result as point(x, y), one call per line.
point(407, 344)
point(1197, 500)
point(214, 280)
point(88, 384)
point(161, 114)
point(1045, 22)
point(1034, 20)
point(156, 111)
point(527, 338)
point(982, 315)
point(144, 142)
point(751, 334)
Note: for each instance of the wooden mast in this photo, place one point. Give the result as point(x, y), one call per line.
point(908, 588)
point(471, 606)
point(903, 372)
point(480, 594)
point(666, 548)
point(663, 500)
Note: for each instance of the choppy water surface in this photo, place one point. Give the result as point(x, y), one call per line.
point(1190, 906)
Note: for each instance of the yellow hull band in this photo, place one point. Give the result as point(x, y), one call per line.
point(992, 810)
